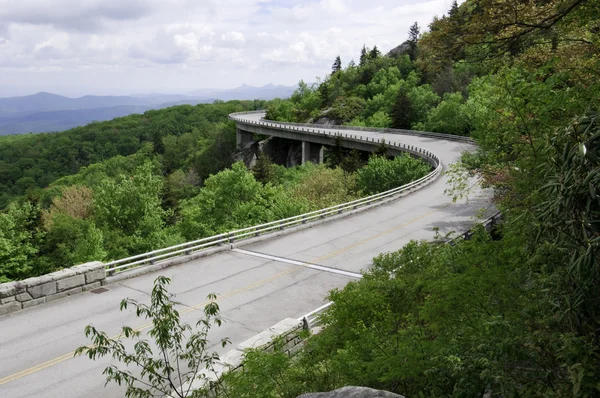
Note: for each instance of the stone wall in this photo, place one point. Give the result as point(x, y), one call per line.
point(18, 295)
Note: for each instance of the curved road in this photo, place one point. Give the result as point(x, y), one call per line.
point(258, 285)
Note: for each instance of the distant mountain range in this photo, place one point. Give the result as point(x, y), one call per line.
point(46, 112)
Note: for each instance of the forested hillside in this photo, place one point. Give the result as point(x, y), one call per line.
point(513, 314)
point(109, 189)
point(183, 136)
point(114, 189)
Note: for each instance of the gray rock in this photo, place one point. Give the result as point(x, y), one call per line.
point(325, 119)
point(66, 293)
point(7, 300)
point(402, 49)
point(352, 392)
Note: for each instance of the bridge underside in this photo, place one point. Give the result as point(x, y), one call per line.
point(312, 144)
point(310, 151)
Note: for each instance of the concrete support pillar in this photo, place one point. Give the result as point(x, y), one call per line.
point(312, 152)
point(242, 138)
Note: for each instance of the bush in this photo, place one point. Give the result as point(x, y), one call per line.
point(323, 187)
point(382, 174)
point(449, 117)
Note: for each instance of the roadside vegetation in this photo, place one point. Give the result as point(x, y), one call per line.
point(513, 314)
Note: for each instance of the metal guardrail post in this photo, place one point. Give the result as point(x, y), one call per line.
point(305, 324)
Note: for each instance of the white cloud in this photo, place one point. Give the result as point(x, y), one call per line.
point(233, 39)
point(187, 44)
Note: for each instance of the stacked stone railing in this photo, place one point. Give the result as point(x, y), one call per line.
point(30, 292)
point(19, 295)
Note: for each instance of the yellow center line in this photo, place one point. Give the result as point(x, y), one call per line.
point(249, 287)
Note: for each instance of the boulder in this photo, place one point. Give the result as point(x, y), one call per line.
point(352, 392)
point(325, 120)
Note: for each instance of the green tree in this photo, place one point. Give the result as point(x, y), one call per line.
point(352, 161)
point(422, 100)
point(345, 109)
point(449, 117)
point(323, 187)
point(364, 56)
point(381, 174)
point(168, 364)
point(263, 169)
point(413, 39)
point(374, 53)
point(402, 112)
point(19, 242)
point(381, 150)
point(71, 241)
point(233, 199)
point(337, 65)
point(130, 215)
point(335, 154)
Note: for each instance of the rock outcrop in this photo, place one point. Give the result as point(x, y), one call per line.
point(352, 392)
point(325, 120)
point(402, 49)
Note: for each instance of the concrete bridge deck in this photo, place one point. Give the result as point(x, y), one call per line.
point(37, 344)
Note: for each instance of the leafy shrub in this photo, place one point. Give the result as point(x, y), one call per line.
point(323, 187)
point(382, 174)
point(449, 117)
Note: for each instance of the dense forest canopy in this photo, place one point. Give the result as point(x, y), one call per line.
point(183, 135)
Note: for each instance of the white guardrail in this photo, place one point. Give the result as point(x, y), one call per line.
point(187, 248)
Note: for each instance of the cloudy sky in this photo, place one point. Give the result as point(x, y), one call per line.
point(78, 47)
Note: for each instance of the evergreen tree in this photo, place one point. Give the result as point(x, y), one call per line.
point(414, 32)
point(336, 153)
point(402, 111)
point(413, 38)
point(351, 162)
point(453, 9)
point(374, 53)
point(263, 169)
point(364, 57)
point(381, 150)
point(337, 65)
